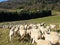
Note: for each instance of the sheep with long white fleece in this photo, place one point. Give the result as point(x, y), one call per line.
point(53, 37)
point(35, 34)
point(11, 32)
point(29, 27)
point(16, 29)
point(22, 31)
point(44, 29)
point(43, 42)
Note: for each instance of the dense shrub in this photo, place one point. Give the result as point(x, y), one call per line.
point(23, 15)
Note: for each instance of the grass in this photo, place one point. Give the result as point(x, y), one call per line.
point(4, 37)
point(48, 20)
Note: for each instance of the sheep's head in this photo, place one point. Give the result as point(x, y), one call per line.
point(35, 26)
point(22, 27)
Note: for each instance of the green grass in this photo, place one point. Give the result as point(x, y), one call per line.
point(4, 33)
point(48, 20)
point(4, 39)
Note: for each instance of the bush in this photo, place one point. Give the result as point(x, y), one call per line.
point(23, 15)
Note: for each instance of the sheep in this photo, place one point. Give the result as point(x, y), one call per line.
point(11, 32)
point(29, 27)
point(35, 33)
point(25, 26)
point(44, 29)
point(16, 30)
point(52, 37)
point(10, 26)
point(43, 42)
point(53, 26)
point(22, 31)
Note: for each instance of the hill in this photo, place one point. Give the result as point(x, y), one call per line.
point(34, 4)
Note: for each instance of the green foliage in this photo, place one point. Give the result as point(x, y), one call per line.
point(23, 15)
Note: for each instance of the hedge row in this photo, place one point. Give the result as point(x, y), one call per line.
point(23, 15)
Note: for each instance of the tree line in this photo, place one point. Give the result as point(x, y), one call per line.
point(23, 15)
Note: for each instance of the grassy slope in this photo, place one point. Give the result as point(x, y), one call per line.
point(4, 39)
point(49, 19)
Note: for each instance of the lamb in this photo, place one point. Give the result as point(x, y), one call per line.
point(43, 42)
point(44, 29)
point(29, 27)
point(22, 31)
point(35, 34)
point(11, 32)
point(52, 37)
point(53, 26)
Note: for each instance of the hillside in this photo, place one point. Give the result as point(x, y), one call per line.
point(35, 4)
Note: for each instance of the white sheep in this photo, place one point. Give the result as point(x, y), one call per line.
point(43, 42)
point(44, 29)
point(22, 31)
point(35, 33)
point(52, 37)
point(29, 27)
point(53, 26)
point(11, 32)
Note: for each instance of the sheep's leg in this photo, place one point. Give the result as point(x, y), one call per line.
point(22, 37)
point(33, 41)
point(10, 34)
point(10, 38)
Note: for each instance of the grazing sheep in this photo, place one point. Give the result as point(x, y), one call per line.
point(52, 26)
point(35, 33)
point(29, 27)
point(16, 29)
point(22, 31)
point(44, 29)
point(52, 37)
point(11, 32)
point(43, 42)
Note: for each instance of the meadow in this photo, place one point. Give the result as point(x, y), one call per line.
point(4, 33)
